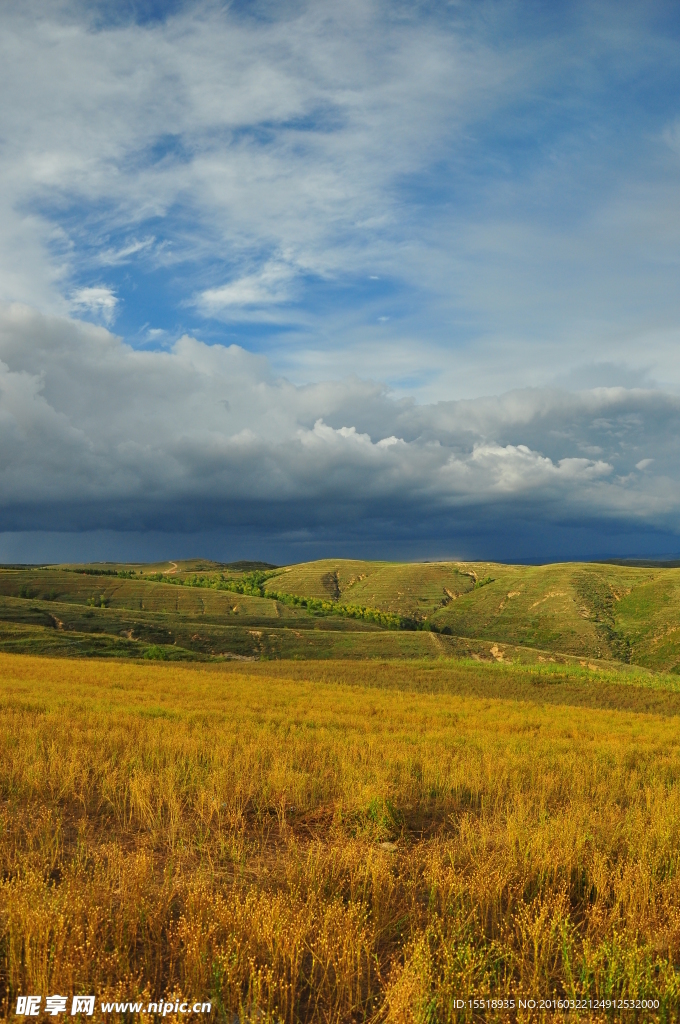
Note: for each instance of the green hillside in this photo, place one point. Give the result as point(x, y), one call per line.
point(333, 608)
point(410, 589)
point(613, 612)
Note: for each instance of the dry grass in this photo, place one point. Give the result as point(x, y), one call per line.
point(216, 831)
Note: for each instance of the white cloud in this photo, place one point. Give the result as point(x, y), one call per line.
point(117, 257)
point(99, 301)
point(272, 284)
point(214, 142)
point(278, 133)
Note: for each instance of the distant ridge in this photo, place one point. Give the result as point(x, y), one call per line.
point(249, 566)
point(641, 563)
point(26, 565)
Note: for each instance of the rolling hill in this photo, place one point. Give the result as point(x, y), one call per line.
point(627, 614)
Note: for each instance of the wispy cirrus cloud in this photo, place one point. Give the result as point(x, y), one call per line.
point(271, 285)
point(117, 257)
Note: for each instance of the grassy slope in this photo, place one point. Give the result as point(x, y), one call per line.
point(584, 611)
point(356, 841)
point(135, 594)
point(406, 588)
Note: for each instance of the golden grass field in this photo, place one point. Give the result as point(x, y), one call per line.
point(340, 841)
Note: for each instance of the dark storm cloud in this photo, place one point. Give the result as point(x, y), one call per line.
point(96, 435)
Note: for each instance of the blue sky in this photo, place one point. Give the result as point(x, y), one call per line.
point(430, 207)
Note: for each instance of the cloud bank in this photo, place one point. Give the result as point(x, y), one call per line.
point(99, 436)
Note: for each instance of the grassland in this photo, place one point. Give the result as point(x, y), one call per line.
point(342, 791)
point(340, 840)
point(588, 613)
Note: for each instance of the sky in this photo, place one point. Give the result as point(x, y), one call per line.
point(302, 279)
